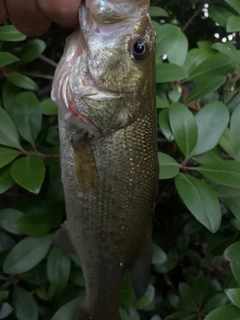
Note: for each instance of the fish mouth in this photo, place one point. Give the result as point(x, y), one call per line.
point(103, 95)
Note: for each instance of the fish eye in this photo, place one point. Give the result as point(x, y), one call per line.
point(139, 49)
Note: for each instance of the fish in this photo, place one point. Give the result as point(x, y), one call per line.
point(104, 87)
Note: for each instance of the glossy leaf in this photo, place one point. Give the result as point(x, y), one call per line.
point(235, 267)
point(25, 305)
point(214, 302)
point(8, 133)
point(167, 72)
point(67, 311)
point(7, 219)
point(5, 310)
point(232, 252)
point(158, 255)
point(33, 225)
point(187, 296)
point(6, 243)
point(212, 121)
point(58, 268)
point(233, 24)
point(184, 127)
point(158, 12)
point(227, 48)
point(167, 34)
point(8, 96)
point(234, 4)
point(224, 312)
point(29, 173)
point(163, 121)
point(228, 144)
point(226, 172)
point(27, 254)
point(234, 296)
point(168, 167)
point(48, 107)
point(205, 87)
point(32, 50)
point(234, 128)
point(234, 205)
point(21, 81)
point(200, 200)
point(210, 156)
point(177, 53)
point(219, 14)
point(27, 116)
point(6, 181)
point(217, 65)
point(175, 93)
point(7, 155)
point(147, 298)
point(10, 33)
point(7, 58)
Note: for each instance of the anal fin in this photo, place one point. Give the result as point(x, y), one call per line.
point(140, 272)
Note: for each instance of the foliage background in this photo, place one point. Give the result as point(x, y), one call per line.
point(196, 262)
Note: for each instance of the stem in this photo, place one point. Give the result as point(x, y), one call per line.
point(37, 75)
point(37, 153)
point(49, 61)
point(196, 13)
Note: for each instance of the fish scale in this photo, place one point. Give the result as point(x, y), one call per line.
point(109, 167)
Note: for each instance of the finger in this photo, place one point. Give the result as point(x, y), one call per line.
point(27, 17)
point(3, 12)
point(63, 12)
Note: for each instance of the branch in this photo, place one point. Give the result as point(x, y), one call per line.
point(196, 13)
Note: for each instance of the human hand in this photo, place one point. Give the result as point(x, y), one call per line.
point(33, 17)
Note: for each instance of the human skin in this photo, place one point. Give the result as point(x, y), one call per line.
point(33, 17)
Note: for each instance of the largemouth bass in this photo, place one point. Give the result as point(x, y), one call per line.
point(104, 86)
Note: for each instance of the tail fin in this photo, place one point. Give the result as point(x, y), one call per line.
point(84, 314)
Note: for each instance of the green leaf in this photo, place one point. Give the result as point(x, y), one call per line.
point(212, 121)
point(158, 255)
point(7, 219)
point(6, 181)
point(8, 96)
point(232, 252)
point(195, 57)
point(29, 173)
point(27, 116)
point(25, 305)
point(8, 133)
point(224, 313)
point(7, 155)
point(33, 225)
point(235, 267)
point(225, 172)
point(167, 72)
point(175, 93)
point(234, 296)
point(167, 34)
point(177, 53)
point(217, 65)
point(67, 311)
point(228, 49)
point(214, 302)
point(169, 168)
point(158, 12)
point(161, 104)
point(200, 200)
point(27, 254)
point(123, 314)
point(201, 288)
point(234, 4)
point(219, 15)
point(10, 33)
point(147, 298)
point(6, 243)
point(210, 156)
point(187, 296)
point(228, 144)
point(203, 88)
point(233, 24)
point(5, 310)
point(234, 129)
point(184, 127)
point(21, 81)
point(32, 50)
point(48, 107)
point(163, 121)
point(225, 192)
point(234, 205)
point(58, 268)
point(7, 58)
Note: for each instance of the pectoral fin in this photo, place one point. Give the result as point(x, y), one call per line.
point(141, 269)
point(62, 239)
